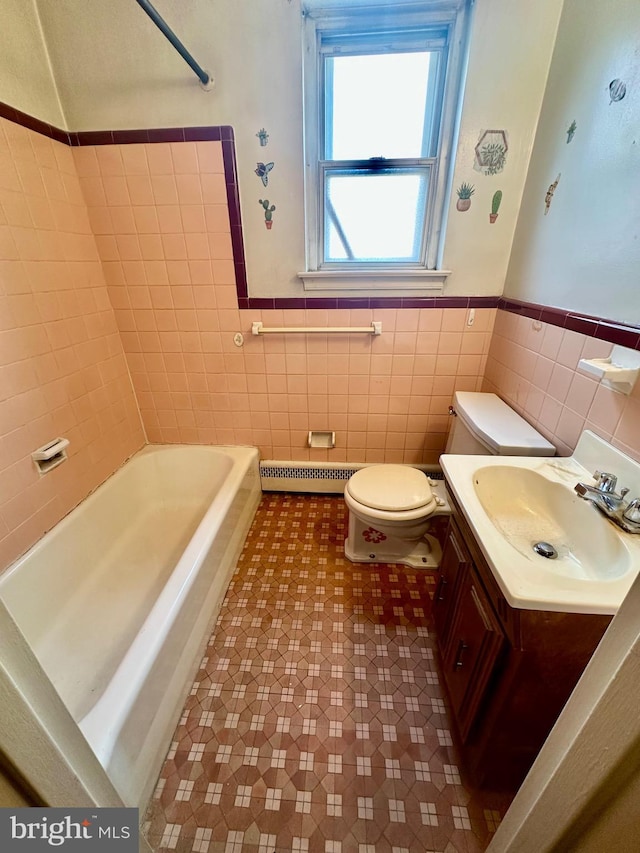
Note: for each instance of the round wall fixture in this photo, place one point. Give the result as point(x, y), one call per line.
point(617, 90)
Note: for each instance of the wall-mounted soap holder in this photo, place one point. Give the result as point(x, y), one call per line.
point(50, 455)
point(618, 372)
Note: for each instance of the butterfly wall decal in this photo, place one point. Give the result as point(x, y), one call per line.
point(262, 171)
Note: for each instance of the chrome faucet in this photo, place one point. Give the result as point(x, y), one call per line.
point(604, 496)
point(606, 482)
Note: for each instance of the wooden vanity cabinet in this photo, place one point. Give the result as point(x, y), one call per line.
point(508, 672)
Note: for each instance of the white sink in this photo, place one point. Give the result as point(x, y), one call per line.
point(512, 502)
point(528, 508)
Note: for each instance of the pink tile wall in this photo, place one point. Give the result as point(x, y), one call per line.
point(534, 367)
point(160, 216)
point(62, 367)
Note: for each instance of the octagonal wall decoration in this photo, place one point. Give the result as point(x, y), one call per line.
point(491, 152)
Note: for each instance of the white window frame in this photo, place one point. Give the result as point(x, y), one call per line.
point(448, 20)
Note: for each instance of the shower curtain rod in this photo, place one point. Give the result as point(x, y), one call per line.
point(205, 77)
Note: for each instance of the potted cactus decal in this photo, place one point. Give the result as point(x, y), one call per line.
point(268, 212)
point(464, 191)
point(263, 137)
point(495, 206)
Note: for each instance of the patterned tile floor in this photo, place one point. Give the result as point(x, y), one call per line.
point(317, 722)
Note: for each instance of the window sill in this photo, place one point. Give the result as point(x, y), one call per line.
point(428, 281)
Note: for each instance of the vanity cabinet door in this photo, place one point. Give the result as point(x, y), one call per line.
point(455, 559)
point(476, 640)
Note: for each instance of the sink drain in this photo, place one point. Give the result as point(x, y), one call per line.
point(545, 549)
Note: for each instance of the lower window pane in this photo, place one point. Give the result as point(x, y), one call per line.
point(375, 217)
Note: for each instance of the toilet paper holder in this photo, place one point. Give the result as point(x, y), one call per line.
point(321, 438)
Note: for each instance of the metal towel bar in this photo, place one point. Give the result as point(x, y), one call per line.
point(374, 329)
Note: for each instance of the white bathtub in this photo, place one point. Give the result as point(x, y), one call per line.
point(118, 600)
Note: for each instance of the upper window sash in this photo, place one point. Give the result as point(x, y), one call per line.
point(365, 47)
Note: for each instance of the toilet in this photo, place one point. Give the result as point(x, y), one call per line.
point(391, 506)
point(390, 510)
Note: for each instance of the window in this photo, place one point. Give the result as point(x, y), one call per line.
point(381, 93)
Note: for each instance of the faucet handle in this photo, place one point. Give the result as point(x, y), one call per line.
point(632, 512)
point(605, 482)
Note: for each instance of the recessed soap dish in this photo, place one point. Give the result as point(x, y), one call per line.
point(618, 372)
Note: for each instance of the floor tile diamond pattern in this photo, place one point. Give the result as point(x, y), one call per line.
point(317, 721)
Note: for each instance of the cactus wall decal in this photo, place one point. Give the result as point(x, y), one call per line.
point(495, 206)
point(263, 136)
point(268, 212)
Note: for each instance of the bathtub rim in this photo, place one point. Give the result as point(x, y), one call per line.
point(93, 725)
point(93, 495)
point(245, 466)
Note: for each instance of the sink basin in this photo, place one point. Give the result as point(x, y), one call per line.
point(527, 508)
point(512, 503)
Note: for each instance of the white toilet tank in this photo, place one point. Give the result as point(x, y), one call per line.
point(485, 424)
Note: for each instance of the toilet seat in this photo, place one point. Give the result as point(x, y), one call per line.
point(392, 489)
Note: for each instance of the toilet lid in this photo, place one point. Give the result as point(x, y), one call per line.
point(391, 487)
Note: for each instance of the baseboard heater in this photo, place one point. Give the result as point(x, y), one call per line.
point(321, 477)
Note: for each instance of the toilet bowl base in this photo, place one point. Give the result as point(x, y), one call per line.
point(424, 553)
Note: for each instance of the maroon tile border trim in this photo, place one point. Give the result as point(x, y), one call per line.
point(18, 117)
point(235, 217)
point(223, 133)
point(622, 334)
point(597, 327)
point(415, 302)
point(147, 135)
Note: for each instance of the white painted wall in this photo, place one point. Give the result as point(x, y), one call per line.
point(115, 70)
point(585, 254)
point(508, 66)
point(26, 81)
